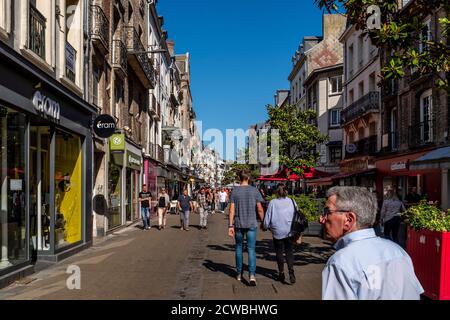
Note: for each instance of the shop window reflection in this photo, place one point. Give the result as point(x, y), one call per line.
point(68, 195)
point(13, 240)
point(114, 216)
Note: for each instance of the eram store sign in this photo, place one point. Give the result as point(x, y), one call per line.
point(45, 105)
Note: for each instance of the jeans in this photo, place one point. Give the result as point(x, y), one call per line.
point(203, 217)
point(284, 246)
point(392, 227)
point(223, 206)
point(184, 217)
point(239, 235)
point(145, 214)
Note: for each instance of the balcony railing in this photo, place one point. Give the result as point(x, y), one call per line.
point(368, 103)
point(100, 28)
point(363, 147)
point(422, 133)
point(71, 58)
point(139, 61)
point(119, 59)
point(37, 32)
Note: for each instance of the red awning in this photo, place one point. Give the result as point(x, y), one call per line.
point(310, 173)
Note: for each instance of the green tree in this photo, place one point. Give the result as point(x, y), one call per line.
point(298, 136)
point(403, 33)
point(242, 163)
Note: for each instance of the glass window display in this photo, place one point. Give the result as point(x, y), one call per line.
point(12, 188)
point(68, 184)
point(114, 217)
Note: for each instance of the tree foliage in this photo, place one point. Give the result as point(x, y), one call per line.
point(298, 136)
point(401, 33)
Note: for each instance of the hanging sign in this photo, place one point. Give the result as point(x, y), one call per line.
point(104, 126)
point(117, 142)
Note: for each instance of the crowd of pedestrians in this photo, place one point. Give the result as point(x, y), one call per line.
point(364, 265)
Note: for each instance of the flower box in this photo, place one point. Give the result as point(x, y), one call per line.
point(430, 254)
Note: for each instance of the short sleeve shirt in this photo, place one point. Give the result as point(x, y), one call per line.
point(245, 199)
point(185, 202)
point(144, 195)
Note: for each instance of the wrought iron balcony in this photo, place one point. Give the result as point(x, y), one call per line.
point(422, 133)
point(366, 104)
point(36, 39)
point(99, 29)
point(138, 60)
point(363, 147)
point(119, 58)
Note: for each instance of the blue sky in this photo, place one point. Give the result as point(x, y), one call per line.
point(240, 52)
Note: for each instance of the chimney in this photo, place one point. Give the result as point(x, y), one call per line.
point(170, 46)
point(333, 25)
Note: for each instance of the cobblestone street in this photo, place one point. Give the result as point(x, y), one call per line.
point(174, 264)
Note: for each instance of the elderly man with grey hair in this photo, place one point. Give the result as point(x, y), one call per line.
point(365, 266)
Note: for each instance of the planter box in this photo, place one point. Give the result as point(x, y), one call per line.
point(314, 229)
point(430, 254)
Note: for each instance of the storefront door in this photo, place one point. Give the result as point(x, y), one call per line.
point(40, 216)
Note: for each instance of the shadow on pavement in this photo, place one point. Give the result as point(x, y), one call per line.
point(231, 270)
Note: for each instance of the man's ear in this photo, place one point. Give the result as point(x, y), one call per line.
point(350, 221)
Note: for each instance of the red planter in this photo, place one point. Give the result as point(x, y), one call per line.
point(430, 254)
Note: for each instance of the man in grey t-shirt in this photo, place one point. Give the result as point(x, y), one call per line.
point(245, 201)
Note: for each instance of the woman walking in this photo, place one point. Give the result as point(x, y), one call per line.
point(278, 219)
point(163, 206)
point(390, 215)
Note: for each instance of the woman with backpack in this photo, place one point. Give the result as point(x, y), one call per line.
point(278, 220)
point(163, 206)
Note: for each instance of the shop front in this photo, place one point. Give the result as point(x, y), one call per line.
point(46, 149)
point(115, 169)
point(133, 182)
point(396, 173)
point(357, 172)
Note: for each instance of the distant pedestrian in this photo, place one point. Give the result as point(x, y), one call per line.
point(365, 267)
point(145, 197)
point(223, 199)
point(185, 207)
point(278, 219)
point(412, 198)
point(203, 208)
point(244, 201)
point(163, 206)
point(391, 215)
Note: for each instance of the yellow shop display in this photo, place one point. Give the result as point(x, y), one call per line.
point(68, 191)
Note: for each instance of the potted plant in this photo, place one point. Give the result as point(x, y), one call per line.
point(428, 245)
point(311, 208)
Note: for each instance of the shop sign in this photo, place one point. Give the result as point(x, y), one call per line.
point(403, 165)
point(117, 142)
point(104, 126)
point(45, 105)
point(350, 148)
point(133, 161)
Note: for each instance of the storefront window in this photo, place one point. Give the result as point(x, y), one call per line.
point(12, 193)
point(114, 195)
point(68, 195)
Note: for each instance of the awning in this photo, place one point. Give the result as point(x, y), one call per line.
point(328, 181)
point(436, 159)
point(354, 173)
point(309, 173)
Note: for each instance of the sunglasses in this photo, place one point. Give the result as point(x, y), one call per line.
point(326, 212)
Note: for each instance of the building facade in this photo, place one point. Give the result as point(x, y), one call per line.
point(360, 117)
point(45, 129)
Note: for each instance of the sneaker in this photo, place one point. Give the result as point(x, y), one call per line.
point(187, 229)
point(159, 227)
point(252, 281)
point(292, 277)
point(281, 277)
point(239, 277)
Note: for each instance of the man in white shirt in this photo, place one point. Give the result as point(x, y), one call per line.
point(223, 199)
point(365, 267)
